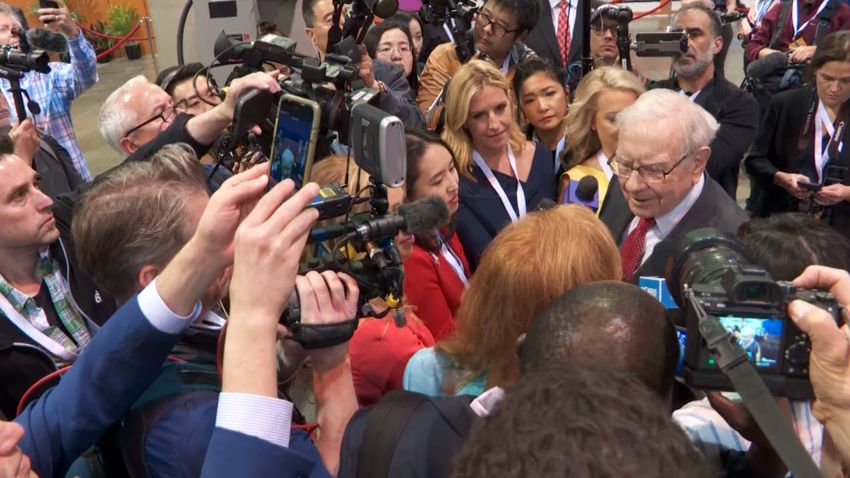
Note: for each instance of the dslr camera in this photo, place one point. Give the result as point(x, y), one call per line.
point(711, 273)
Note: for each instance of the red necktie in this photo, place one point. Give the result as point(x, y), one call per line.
point(564, 36)
point(631, 250)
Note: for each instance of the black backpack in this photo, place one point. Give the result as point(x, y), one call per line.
point(406, 434)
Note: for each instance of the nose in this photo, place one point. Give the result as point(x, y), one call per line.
point(494, 121)
point(42, 201)
point(634, 182)
point(542, 105)
point(395, 55)
point(608, 33)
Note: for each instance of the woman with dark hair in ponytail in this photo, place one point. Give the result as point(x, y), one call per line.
point(436, 271)
point(799, 160)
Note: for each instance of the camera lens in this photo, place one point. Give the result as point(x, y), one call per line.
point(703, 257)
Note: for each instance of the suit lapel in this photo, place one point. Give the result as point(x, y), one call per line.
point(547, 30)
point(615, 211)
point(574, 54)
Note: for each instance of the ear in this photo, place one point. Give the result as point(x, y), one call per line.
point(128, 145)
point(146, 275)
point(718, 45)
point(700, 161)
point(311, 34)
point(520, 341)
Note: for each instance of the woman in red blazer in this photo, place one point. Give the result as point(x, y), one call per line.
point(436, 272)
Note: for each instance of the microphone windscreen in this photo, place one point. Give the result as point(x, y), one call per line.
point(587, 188)
point(44, 39)
point(425, 214)
point(768, 65)
point(546, 203)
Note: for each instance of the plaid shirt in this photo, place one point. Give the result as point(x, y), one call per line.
point(55, 91)
point(59, 294)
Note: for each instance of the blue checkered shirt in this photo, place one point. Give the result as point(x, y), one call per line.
point(55, 91)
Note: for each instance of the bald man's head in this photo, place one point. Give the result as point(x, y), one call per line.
point(611, 324)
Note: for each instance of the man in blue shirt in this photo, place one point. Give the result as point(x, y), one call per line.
point(54, 91)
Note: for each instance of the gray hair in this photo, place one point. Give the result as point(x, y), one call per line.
point(697, 127)
point(135, 215)
point(114, 121)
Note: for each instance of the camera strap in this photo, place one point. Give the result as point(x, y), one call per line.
point(735, 365)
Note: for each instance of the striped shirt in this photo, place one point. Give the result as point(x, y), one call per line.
point(710, 433)
point(54, 92)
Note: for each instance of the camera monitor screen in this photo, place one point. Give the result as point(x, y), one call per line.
point(760, 337)
point(294, 140)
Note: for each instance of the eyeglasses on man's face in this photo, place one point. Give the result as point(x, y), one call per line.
point(649, 174)
point(166, 115)
point(499, 30)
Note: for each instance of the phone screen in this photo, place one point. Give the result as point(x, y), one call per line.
point(292, 139)
point(47, 4)
point(760, 337)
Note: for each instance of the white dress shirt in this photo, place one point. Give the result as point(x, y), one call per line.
point(665, 223)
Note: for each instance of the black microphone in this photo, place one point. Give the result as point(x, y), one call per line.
point(545, 204)
point(419, 216)
point(768, 65)
point(44, 39)
point(587, 188)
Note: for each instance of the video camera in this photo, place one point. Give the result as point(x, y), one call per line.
point(14, 62)
point(714, 281)
point(456, 18)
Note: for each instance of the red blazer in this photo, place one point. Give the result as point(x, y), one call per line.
point(433, 287)
point(379, 351)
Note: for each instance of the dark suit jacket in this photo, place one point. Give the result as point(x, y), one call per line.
point(543, 39)
point(738, 115)
point(777, 148)
point(232, 454)
point(713, 208)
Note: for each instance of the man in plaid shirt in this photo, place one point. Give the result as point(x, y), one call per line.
point(54, 91)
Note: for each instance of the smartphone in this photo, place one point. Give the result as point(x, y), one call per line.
point(814, 187)
point(47, 4)
point(294, 144)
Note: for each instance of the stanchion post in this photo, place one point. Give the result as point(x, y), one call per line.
point(149, 30)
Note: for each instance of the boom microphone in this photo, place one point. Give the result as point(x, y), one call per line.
point(768, 65)
point(423, 215)
point(44, 39)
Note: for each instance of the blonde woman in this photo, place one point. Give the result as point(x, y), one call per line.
point(592, 125)
point(502, 176)
point(527, 266)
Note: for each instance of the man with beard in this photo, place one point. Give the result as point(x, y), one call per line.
point(696, 77)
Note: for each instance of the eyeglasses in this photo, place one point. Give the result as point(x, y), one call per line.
point(600, 27)
point(403, 49)
point(499, 30)
point(165, 115)
point(649, 174)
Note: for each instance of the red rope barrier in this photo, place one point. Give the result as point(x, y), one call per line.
point(109, 37)
point(120, 42)
point(638, 16)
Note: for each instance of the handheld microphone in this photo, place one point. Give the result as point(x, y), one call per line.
point(768, 65)
point(423, 215)
point(584, 192)
point(44, 39)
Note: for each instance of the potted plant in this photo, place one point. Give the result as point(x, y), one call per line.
point(120, 20)
point(99, 44)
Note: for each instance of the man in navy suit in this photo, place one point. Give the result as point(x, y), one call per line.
point(127, 353)
point(662, 192)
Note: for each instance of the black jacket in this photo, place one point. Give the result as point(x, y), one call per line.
point(777, 148)
point(713, 208)
point(738, 115)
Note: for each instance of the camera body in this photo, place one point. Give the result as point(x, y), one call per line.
point(751, 306)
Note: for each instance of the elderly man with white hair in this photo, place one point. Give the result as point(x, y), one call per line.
point(663, 192)
point(139, 117)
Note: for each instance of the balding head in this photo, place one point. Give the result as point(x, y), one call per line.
point(611, 324)
point(131, 105)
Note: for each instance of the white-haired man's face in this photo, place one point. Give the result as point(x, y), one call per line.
point(661, 176)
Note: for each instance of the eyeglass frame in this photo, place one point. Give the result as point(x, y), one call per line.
point(613, 164)
point(489, 20)
point(397, 48)
point(174, 108)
